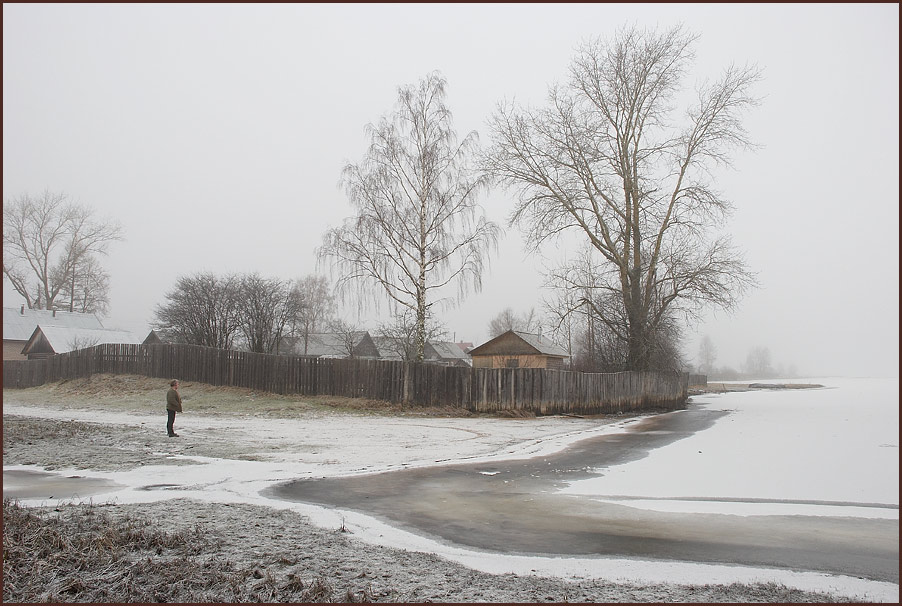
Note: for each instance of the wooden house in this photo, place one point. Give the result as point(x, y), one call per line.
point(435, 352)
point(46, 341)
point(515, 349)
point(446, 353)
point(390, 348)
point(19, 325)
point(358, 344)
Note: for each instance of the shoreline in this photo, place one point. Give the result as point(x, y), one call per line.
point(716, 387)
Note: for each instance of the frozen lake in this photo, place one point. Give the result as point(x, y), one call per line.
point(831, 451)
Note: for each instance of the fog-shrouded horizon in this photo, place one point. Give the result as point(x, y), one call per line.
point(215, 134)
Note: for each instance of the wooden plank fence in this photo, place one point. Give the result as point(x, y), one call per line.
point(477, 389)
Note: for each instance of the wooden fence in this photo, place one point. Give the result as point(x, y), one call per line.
point(477, 389)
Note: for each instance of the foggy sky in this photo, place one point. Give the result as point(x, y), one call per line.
point(216, 135)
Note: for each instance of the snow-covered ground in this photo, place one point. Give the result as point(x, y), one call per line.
point(831, 451)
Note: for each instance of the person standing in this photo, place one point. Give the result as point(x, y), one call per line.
point(173, 405)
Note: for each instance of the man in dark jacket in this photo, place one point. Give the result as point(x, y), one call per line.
point(173, 405)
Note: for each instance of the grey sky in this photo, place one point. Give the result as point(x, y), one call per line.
point(216, 135)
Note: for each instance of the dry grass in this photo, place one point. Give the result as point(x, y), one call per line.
point(80, 554)
point(126, 393)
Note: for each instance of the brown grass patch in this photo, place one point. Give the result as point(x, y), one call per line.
point(80, 554)
point(139, 393)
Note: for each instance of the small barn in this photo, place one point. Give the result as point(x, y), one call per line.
point(515, 349)
point(46, 341)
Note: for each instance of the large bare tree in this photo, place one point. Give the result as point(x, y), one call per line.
point(508, 320)
point(50, 248)
point(202, 309)
point(609, 159)
point(419, 231)
point(265, 308)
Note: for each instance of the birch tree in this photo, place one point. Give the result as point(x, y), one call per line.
point(419, 236)
point(609, 159)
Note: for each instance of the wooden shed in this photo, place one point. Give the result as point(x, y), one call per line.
point(46, 341)
point(515, 349)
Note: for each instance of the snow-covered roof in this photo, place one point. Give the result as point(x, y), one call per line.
point(543, 345)
point(388, 349)
point(64, 338)
point(446, 350)
point(334, 345)
point(19, 323)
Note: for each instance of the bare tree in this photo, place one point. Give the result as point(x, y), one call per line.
point(758, 363)
point(79, 342)
point(315, 307)
point(202, 310)
point(265, 308)
point(401, 334)
point(418, 230)
point(348, 335)
point(707, 355)
point(49, 243)
point(508, 320)
point(563, 324)
point(607, 159)
point(87, 289)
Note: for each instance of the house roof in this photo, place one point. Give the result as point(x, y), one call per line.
point(543, 345)
point(63, 338)
point(446, 350)
point(388, 350)
point(328, 345)
point(538, 343)
point(19, 323)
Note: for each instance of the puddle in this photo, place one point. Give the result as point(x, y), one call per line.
point(26, 484)
point(160, 487)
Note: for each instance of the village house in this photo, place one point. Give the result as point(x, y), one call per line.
point(19, 326)
point(515, 349)
point(435, 352)
point(46, 341)
point(446, 353)
point(358, 344)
